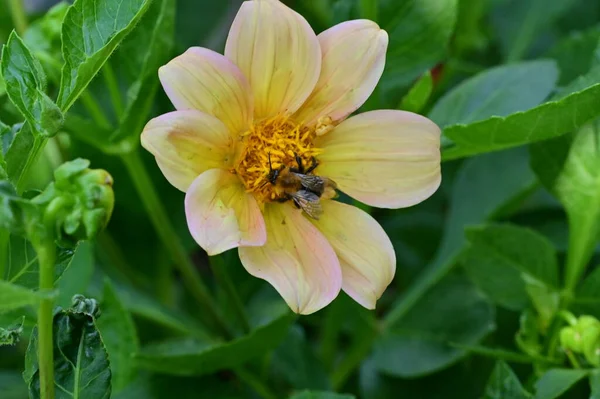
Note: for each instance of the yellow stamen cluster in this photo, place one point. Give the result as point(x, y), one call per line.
point(280, 137)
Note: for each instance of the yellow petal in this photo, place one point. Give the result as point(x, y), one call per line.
point(353, 60)
point(365, 252)
point(187, 143)
point(278, 52)
point(207, 81)
point(387, 159)
point(297, 260)
point(220, 213)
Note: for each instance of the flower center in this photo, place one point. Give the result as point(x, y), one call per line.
point(269, 145)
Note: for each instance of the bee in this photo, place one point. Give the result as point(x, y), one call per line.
point(304, 189)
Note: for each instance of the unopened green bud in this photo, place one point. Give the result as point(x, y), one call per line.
point(87, 306)
point(590, 337)
point(570, 339)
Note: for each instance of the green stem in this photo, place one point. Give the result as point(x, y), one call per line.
point(91, 105)
point(221, 272)
point(18, 16)
point(47, 258)
point(113, 88)
point(256, 384)
point(168, 236)
point(355, 355)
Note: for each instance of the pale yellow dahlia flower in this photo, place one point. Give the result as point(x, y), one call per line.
point(281, 90)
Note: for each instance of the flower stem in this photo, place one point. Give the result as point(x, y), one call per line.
point(113, 88)
point(355, 355)
point(46, 257)
point(168, 236)
point(91, 105)
point(221, 273)
point(18, 16)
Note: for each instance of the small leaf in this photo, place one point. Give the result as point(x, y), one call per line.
point(498, 91)
point(14, 296)
point(504, 384)
point(419, 94)
point(120, 338)
point(81, 367)
point(11, 334)
point(555, 382)
point(91, 31)
point(320, 395)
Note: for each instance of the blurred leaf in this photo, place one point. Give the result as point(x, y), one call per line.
point(595, 384)
point(11, 385)
point(81, 367)
point(587, 300)
point(576, 54)
point(498, 91)
point(555, 382)
point(452, 312)
point(551, 119)
point(77, 277)
point(320, 395)
point(469, 35)
point(91, 31)
point(419, 94)
point(573, 175)
point(120, 338)
point(504, 384)
point(12, 333)
point(25, 85)
point(14, 296)
point(419, 31)
point(519, 22)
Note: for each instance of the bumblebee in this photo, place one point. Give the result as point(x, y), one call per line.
point(303, 188)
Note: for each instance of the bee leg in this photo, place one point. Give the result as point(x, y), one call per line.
point(313, 165)
point(285, 199)
point(300, 168)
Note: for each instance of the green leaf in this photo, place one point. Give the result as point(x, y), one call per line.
point(26, 84)
point(576, 54)
point(91, 31)
point(418, 95)
point(504, 384)
point(120, 338)
point(320, 395)
point(419, 31)
point(454, 311)
point(498, 91)
point(12, 333)
point(11, 385)
point(14, 210)
point(586, 299)
point(555, 382)
point(77, 277)
point(194, 356)
point(81, 367)
point(595, 384)
point(5, 131)
point(156, 28)
point(550, 119)
point(573, 176)
point(14, 296)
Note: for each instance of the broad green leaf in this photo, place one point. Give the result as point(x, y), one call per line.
point(595, 384)
point(26, 84)
point(156, 29)
point(320, 395)
point(91, 31)
point(23, 151)
point(504, 384)
point(577, 105)
point(11, 385)
point(484, 187)
point(14, 210)
point(5, 130)
point(555, 382)
point(576, 54)
point(194, 356)
point(419, 94)
point(419, 31)
point(573, 176)
point(498, 91)
point(587, 300)
point(14, 296)
point(81, 365)
point(12, 333)
point(77, 277)
point(120, 338)
point(2, 86)
point(454, 311)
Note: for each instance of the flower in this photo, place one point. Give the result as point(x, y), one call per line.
point(279, 92)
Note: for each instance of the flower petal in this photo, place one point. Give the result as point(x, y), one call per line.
point(365, 252)
point(220, 213)
point(187, 143)
point(387, 159)
point(353, 60)
point(207, 81)
point(297, 260)
point(278, 52)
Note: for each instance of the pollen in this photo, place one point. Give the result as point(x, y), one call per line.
point(280, 139)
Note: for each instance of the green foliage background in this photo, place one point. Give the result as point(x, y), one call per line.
point(489, 269)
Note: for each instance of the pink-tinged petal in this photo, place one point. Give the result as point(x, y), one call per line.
point(297, 260)
point(187, 143)
point(365, 252)
point(220, 213)
point(278, 52)
point(353, 60)
point(387, 159)
point(209, 82)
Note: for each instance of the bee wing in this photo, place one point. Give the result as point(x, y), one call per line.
point(309, 203)
point(314, 183)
